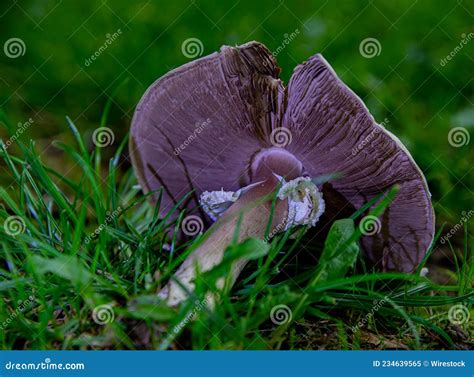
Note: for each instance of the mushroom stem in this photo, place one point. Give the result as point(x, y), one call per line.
point(298, 203)
point(252, 209)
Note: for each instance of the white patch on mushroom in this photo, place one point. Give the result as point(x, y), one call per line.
point(305, 202)
point(215, 203)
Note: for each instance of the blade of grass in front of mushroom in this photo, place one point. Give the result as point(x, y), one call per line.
point(359, 213)
point(262, 275)
point(244, 209)
point(347, 242)
point(276, 245)
point(340, 248)
point(207, 283)
point(212, 252)
point(318, 181)
point(325, 178)
point(268, 228)
point(430, 249)
point(376, 212)
point(249, 249)
point(218, 281)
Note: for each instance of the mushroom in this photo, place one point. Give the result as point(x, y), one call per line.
point(226, 129)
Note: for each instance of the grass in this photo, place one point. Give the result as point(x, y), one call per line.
point(82, 267)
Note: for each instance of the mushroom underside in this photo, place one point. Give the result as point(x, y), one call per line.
point(211, 125)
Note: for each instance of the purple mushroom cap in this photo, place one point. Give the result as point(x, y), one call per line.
point(217, 123)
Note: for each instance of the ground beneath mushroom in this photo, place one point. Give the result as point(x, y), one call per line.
point(328, 335)
point(312, 333)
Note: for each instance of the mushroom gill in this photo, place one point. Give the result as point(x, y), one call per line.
point(258, 135)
